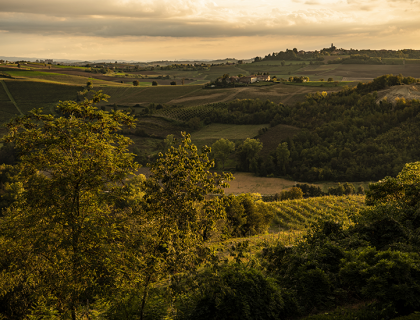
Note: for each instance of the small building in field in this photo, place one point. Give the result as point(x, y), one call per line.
point(263, 77)
point(249, 79)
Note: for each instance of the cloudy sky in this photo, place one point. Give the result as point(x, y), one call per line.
point(144, 30)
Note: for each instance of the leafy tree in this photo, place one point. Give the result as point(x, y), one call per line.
point(236, 292)
point(247, 153)
point(195, 123)
point(222, 149)
point(177, 218)
point(330, 79)
point(61, 236)
point(154, 83)
point(136, 83)
point(291, 194)
point(173, 83)
point(282, 155)
point(89, 85)
point(247, 215)
point(168, 142)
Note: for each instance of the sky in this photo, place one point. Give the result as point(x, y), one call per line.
point(152, 30)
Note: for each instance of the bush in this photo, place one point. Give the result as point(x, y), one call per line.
point(291, 194)
point(195, 123)
point(173, 83)
point(389, 277)
point(236, 292)
point(154, 83)
point(247, 215)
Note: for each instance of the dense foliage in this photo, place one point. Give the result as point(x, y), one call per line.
point(75, 232)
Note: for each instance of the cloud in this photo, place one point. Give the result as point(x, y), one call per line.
point(202, 18)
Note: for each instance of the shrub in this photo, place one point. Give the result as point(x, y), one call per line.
point(390, 277)
point(236, 292)
point(291, 194)
point(154, 83)
point(247, 215)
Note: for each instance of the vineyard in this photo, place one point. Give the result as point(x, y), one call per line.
point(299, 214)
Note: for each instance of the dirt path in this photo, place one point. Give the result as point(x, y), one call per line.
point(10, 96)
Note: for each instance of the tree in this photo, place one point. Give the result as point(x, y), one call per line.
point(168, 142)
point(194, 123)
point(154, 83)
point(247, 152)
point(282, 156)
point(136, 83)
point(62, 235)
point(178, 219)
point(330, 79)
point(173, 83)
point(222, 149)
point(89, 85)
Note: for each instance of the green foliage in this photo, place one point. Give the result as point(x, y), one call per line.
point(236, 292)
point(136, 83)
point(247, 215)
point(374, 259)
point(310, 190)
point(247, 154)
point(292, 194)
point(222, 149)
point(386, 276)
point(342, 189)
point(154, 83)
point(53, 246)
point(282, 156)
point(194, 123)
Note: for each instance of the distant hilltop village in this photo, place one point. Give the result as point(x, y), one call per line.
point(323, 56)
point(363, 54)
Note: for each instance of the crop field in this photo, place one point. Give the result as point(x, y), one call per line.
point(158, 94)
point(7, 108)
point(31, 94)
point(299, 214)
point(49, 76)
